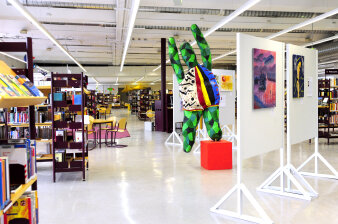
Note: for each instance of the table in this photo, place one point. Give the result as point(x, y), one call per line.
point(99, 122)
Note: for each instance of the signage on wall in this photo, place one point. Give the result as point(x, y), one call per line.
point(331, 71)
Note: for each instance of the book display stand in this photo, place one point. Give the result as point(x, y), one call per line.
point(70, 148)
point(18, 101)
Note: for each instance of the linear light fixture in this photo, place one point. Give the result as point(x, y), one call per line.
point(305, 23)
point(157, 80)
point(38, 25)
point(224, 21)
point(139, 79)
point(132, 19)
point(297, 26)
point(117, 79)
point(327, 62)
point(13, 57)
point(321, 41)
point(230, 17)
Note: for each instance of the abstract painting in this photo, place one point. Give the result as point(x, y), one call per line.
point(226, 83)
point(264, 78)
point(297, 76)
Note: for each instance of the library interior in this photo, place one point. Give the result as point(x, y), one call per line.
point(168, 111)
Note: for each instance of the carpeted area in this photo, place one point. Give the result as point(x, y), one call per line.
point(119, 135)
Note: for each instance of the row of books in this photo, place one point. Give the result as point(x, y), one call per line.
point(22, 162)
point(333, 106)
point(70, 96)
point(18, 115)
point(334, 81)
point(18, 85)
point(17, 133)
point(24, 211)
point(44, 132)
point(334, 119)
point(61, 135)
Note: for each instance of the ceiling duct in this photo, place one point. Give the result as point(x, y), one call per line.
point(242, 30)
point(67, 5)
point(220, 12)
point(226, 12)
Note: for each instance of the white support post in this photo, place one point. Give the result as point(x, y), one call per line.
point(241, 191)
point(230, 135)
point(172, 136)
point(303, 189)
point(317, 156)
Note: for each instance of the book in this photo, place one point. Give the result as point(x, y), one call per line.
point(29, 85)
point(20, 212)
point(14, 84)
point(76, 99)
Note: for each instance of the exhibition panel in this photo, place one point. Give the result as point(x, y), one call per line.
point(302, 89)
point(260, 78)
point(189, 111)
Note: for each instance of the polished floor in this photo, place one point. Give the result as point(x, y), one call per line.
point(149, 183)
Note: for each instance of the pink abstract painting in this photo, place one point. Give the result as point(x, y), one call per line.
point(264, 77)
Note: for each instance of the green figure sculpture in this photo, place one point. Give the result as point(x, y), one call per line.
point(198, 89)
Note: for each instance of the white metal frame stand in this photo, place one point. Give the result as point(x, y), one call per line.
point(241, 191)
point(172, 136)
point(199, 133)
point(230, 135)
point(316, 155)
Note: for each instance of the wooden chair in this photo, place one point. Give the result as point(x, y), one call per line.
point(121, 127)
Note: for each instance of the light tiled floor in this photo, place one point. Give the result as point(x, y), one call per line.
point(149, 183)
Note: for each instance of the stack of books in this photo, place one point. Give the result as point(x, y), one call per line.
point(18, 85)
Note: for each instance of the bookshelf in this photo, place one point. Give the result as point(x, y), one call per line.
point(327, 109)
point(70, 152)
point(18, 189)
point(91, 103)
point(144, 103)
point(116, 101)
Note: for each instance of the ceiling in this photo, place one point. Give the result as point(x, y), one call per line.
point(94, 31)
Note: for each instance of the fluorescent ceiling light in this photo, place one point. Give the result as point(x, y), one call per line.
point(230, 17)
point(321, 41)
point(157, 80)
point(327, 62)
point(96, 80)
point(38, 25)
point(45, 70)
point(297, 26)
point(13, 57)
point(139, 79)
point(305, 23)
point(132, 19)
point(223, 55)
point(117, 79)
point(224, 21)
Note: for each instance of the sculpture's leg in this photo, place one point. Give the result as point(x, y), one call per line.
point(190, 123)
point(211, 121)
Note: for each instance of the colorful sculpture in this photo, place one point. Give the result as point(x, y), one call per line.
point(198, 89)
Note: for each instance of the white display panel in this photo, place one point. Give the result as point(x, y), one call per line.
point(259, 130)
point(303, 111)
point(178, 113)
point(227, 102)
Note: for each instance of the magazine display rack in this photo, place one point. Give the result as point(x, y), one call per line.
point(70, 152)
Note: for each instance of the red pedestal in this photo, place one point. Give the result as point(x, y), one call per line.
point(216, 155)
